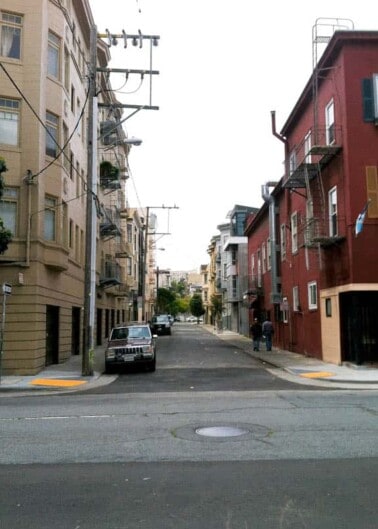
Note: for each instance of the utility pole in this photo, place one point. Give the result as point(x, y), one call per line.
point(91, 221)
point(144, 267)
point(91, 215)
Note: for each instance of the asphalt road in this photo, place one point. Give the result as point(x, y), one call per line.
point(147, 454)
point(193, 359)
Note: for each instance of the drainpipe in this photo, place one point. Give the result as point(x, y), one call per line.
point(274, 130)
point(275, 295)
point(29, 181)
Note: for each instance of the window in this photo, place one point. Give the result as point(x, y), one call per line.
point(224, 270)
point(53, 52)
point(307, 147)
point(263, 251)
point(312, 296)
point(332, 210)
point(283, 241)
point(269, 254)
point(71, 234)
point(292, 162)
point(310, 222)
point(294, 232)
point(253, 269)
point(372, 190)
point(259, 278)
point(296, 305)
point(10, 44)
point(330, 123)
point(66, 69)
point(64, 224)
point(52, 122)
point(50, 228)
point(9, 121)
point(328, 307)
point(129, 266)
point(8, 209)
point(66, 152)
point(285, 310)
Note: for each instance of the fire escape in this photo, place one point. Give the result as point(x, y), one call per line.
point(316, 152)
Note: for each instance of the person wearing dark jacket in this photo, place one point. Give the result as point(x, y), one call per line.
point(268, 331)
point(256, 333)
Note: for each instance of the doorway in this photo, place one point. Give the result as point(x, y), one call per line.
point(358, 326)
point(75, 331)
point(52, 335)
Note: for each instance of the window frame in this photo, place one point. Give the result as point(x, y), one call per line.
point(330, 123)
point(50, 211)
point(332, 212)
point(52, 125)
point(294, 232)
point(16, 25)
point(11, 197)
point(312, 293)
point(54, 45)
point(13, 110)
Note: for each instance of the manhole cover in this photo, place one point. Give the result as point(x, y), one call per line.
point(221, 431)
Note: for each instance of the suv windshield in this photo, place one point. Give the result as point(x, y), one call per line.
point(122, 333)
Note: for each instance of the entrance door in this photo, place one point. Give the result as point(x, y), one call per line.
point(358, 323)
point(52, 334)
point(75, 330)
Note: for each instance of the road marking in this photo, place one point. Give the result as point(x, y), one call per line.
point(57, 382)
point(317, 374)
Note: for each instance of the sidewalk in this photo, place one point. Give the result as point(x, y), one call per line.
point(305, 370)
point(66, 377)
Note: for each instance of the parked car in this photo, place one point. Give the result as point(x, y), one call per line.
point(160, 324)
point(133, 343)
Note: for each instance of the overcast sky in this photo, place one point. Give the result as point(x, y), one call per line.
point(224, 66)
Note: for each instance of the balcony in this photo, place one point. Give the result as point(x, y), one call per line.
point(311, 161)
point(109, 176)
point(124, 249)
point(111, 274)
point(315, 232)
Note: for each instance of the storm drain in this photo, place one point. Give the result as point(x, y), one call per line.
point(221, 431)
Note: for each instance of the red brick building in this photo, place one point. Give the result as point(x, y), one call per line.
point(309, 270)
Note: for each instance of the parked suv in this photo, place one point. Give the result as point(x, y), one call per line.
point(133, 343)
point(161, 324)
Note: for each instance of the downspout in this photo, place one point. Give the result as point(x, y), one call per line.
point(275, 294)
point(274, 130)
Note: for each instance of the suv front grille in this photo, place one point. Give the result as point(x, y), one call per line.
point(130, 350)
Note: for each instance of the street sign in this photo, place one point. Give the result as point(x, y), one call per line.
point(7, 289)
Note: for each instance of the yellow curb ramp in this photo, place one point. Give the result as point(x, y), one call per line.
point(317, 374)
point(57, 382)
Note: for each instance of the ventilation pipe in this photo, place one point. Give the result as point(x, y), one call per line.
point(275, 294)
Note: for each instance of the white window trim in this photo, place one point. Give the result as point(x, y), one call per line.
point(312, 287)
point(294, 232)
point(330, 122)
point(296, 304)
point(283, 241)
point(332, 192)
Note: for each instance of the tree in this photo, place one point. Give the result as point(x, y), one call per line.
point(165, 300)
point(196, 306)
point(5, 235)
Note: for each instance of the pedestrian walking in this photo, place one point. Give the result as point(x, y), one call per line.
point(268, 331)
point(256, 333)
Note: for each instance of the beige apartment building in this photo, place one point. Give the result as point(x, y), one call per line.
point(43, 138)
